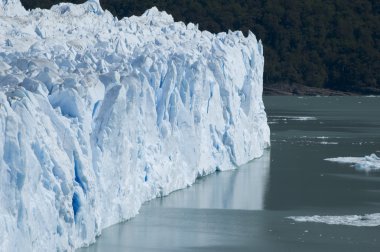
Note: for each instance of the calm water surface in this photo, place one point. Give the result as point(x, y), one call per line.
point(246, 209)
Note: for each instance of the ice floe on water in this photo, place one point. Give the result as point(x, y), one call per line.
point(367, 220)
point(320, 142)
point(328, 143)
point(367, 163)
point(324, 137)
point(272, 122)
point(293, 118)
point(307, 140)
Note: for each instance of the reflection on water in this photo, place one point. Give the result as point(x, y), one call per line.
point(212, 215)
point(243, 188)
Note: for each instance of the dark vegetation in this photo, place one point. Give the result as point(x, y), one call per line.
point(319, 43)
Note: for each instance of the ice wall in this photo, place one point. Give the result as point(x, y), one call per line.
point(98, 115)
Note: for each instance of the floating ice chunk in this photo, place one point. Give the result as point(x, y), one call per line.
point(367, 220)
point(367, 163)
point(328, 143)
point(294, 118)
point(323, 137)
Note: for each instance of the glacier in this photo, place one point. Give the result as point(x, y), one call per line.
point(98, 115)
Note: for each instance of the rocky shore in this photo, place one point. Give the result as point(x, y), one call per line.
point(302, 90)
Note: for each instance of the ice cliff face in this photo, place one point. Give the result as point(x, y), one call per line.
point(98, 115)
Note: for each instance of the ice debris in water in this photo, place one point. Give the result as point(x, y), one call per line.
point(293, 118)
point(367, 163)
point(98, 115)
point(367, 220)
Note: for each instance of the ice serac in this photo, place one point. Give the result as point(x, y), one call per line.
point(11, 8)
point(98, 115)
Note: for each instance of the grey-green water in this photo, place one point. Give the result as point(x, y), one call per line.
point(246, 209)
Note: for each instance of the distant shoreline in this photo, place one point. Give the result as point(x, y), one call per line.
point(301, 90)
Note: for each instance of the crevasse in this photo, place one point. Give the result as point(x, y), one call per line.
point(98, 115)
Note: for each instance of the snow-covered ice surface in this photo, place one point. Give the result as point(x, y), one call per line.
point(367, 220)
point(367, 163)
point(98, 115)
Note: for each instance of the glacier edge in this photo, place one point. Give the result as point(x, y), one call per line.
point(98, 115)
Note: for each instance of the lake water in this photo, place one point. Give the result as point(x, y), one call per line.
point(246, 209)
